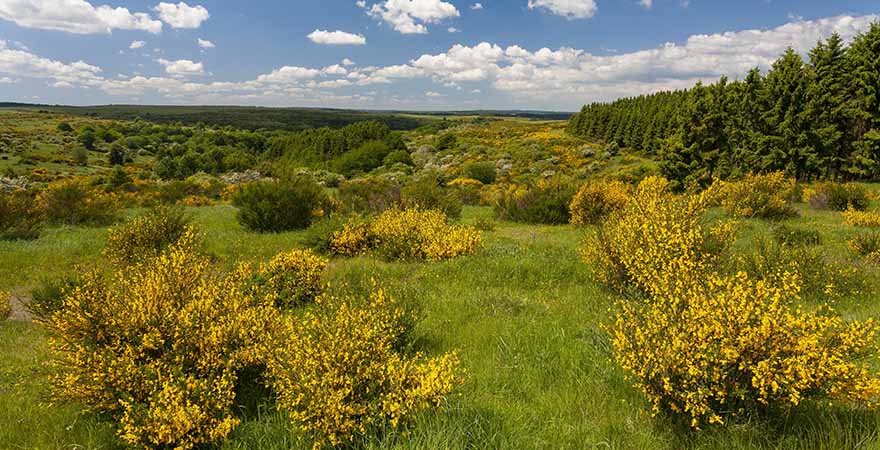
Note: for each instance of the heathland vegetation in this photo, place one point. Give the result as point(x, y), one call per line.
point(475, 282)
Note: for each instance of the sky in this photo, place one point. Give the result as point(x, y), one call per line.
point(397, 54)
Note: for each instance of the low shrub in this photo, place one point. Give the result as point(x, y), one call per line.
point(596, 200)
point(427, 192)
point(291, 279)
point(868, 219)
point(468, 190)
point(866, 245)
point(794, 236)
point(48, 296)
point(159, 348)
point(766, 196)
point(484, 172)
point(407, 234)
point(148, 235)
point(545, 201)
point(72, 202)
point(19, 218)
point(319, 235)
point(5, 305)
point(484, 224)
point(370, 195)
point(338, 375)
point(276, 206)
point(837, 196)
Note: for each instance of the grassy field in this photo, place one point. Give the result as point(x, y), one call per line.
point(524, 315)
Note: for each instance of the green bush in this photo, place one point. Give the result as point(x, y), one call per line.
point(19, 219)
point(72, 202)
point(48, 296)
point(839, 196)
point(146, 236)
point(398, 157)
point(365, 158)
point(446, 141)
point(319, 235)
point(546, 201)
point(786, 235)
point(368, 195)
point(275, 206)
point(866, 244)
point(427, 192)
point(484, 172)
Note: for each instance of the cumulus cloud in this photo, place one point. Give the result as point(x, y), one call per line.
point(21, 63)
point(181, 15)
point(75, 16)
point(288, 74)
point(647, 3)
point(336, 38)
point(410, 16)
point(477, 6)
point(347, 62)
point(204, 43)
point(182, 67)
point(136, 45)
point(571, 9)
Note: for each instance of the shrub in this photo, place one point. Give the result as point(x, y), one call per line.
point(867, 245)
point(5, 305)
point(398, 157)
point(19, 218)
point(484, 224)
point(275, 206)
point(658, 241)
point(468, 190)
point(732, 347)
point(446, 141)
point(291, 279)
point(147, 235)
point(368, 195)
point(427, 192)
point(793, 236)
point(48, 297)
point(338, 376)
point(407, 234)
point(319, 236)
point(594, 201)
point(484, 172)
point(159, 348)
point(759, 195)
point(868, 219)
point(837, 196)
point(545, 201)
point(72, 202)
point(365, 158)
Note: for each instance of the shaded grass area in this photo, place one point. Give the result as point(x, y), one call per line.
point(523, 314)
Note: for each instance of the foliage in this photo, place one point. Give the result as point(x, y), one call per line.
point(339, 377)
point(19, 218)
point(72, 202)
point(837, 196)
point(766, 196)
point(866, 245)
point(596, 200)
point(427, 192)
point(407, 234)
point(446, 141)
point(148, 235)
point(484, 172)
point(159, 348)
point(368, 195)
point(275, 206)
point(544, 201)
point(291, 279)
point(398, 157)
point(365, 158)
point(319, 236)
point(48, 296)
point(870, 219)
point(795, 236)
point(5, 306)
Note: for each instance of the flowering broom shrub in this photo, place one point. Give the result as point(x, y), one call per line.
point(19, 218)
point(759, 195)
point(72, 202)
point(291, 279)
point(337, 373)
point(5, 306)
point(837, 196)
point(408, 234)
point(868, 219)
point(159, 347)
point(545, 201)
point(594, 201)
point(147, 235)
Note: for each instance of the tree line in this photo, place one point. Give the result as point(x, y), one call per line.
point(813, 119)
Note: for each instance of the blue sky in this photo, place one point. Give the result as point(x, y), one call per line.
point(396, 54)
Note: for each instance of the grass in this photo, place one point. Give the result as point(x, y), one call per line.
point(523, 314)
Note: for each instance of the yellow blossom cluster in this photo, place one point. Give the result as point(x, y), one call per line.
point(338, 375)
point(595, 200)
point(759, 195)
point(292, 278)
point(73, 202)
point(5, 306)
point(146, 236)
point(158, 347)
point(710, 346)
point(407, 234)
point(856, 218)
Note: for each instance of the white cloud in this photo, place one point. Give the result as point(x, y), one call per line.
point(433, 94)
point(410, 16)
point(452, 30)
point(347, 62)
point(647, 3)
point(20, 63)
point(361, 3)
point(182, 67)
point(288, 74)
point(571, 9)
point(204, 43)
point(477, 6)
point(75, 16)
point(136, 45)
point(182, 15)
point(6, 80)
point(336, 38)
point(335, 69)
